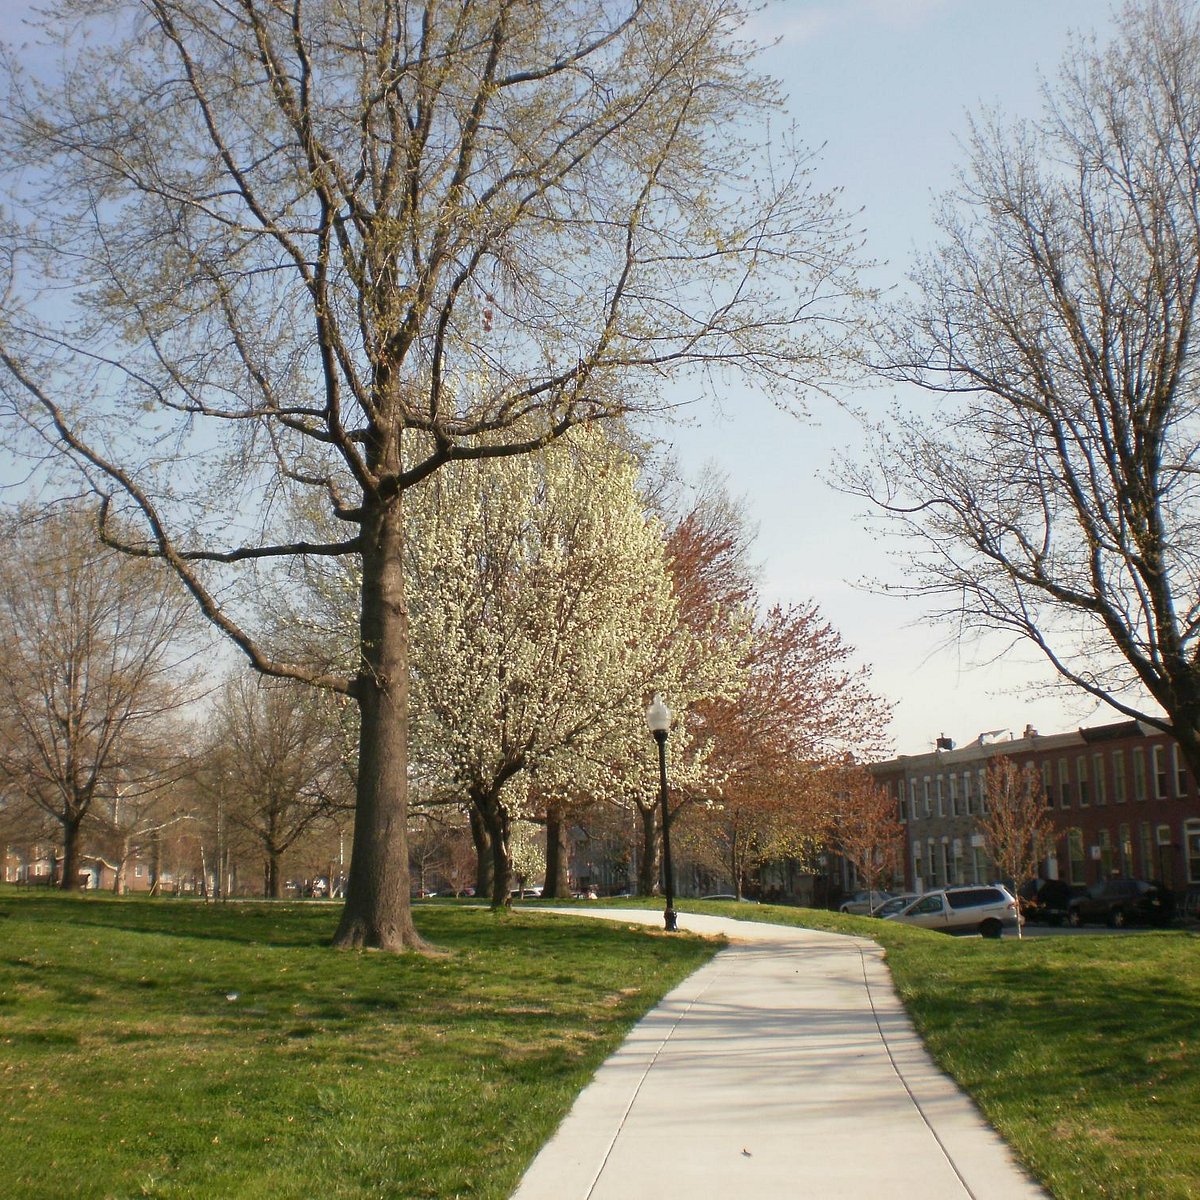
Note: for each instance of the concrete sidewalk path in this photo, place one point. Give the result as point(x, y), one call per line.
point(785, 1067)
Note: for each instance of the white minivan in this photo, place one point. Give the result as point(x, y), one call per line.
point(987, 910)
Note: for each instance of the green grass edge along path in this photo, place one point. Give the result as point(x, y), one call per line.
point(174, 1049)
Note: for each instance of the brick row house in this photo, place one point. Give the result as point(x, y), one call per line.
point(1122, 801)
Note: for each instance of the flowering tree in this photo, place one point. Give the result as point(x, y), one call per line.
point(711, 580)
point(864, 826)
point(798, 705)
point(546, 615)
point(334, 247)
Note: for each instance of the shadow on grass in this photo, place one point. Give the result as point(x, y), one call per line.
point(271, 965)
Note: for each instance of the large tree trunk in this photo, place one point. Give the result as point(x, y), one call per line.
point(496, 819)
point(69, 880)
point(1186, 730)
point(274, 888)
point(378, 911)
point(648, 867)
point(483, 852)
point(558, 855)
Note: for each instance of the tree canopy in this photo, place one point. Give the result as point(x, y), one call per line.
point(261, 247)
point(94, 667)
point(1052, 494)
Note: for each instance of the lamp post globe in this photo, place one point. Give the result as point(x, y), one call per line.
point(658, 721)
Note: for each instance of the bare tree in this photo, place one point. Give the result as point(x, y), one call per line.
point(1056, 499)
point(276, 763)
point(92, 667)
point(334, 246)
point(1014, 822)
point(131, 820)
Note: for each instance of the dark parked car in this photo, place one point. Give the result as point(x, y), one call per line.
point(1048, 900)
point(1118, 902)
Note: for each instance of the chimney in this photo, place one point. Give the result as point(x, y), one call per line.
point(945, 743)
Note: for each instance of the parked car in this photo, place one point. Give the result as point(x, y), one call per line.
point(861, 903)
point(895, 904)
point(1118, 902)
point(1047, 901)
point(987, 911)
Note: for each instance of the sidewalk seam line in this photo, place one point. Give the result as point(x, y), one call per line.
point(904, 1082)
point(649, 1067)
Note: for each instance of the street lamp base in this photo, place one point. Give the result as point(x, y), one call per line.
point(669, 918)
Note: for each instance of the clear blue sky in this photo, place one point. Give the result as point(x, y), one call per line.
point(885, 86)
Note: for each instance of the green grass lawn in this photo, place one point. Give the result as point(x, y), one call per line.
point(1083, 1051)
point(161, 1048)
point(170, 1049)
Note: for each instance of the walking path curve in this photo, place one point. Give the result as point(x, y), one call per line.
point(785, 1067)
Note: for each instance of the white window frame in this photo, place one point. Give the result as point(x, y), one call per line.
point(1159, 769)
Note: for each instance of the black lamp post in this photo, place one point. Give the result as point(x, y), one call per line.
point(658, 719)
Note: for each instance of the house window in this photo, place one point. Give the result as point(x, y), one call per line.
point(954, 796)
point(1047, 785)
point(931, 871)
point(1064, 783)
point(1139, 773)
point(941, 802)
point(928, 809)
point(1106, 854)
point(1191, 841)
point(1081, 775)
point(1166, 861)
point(900, 800)
point(1126, 850)
point(138, 871)
point(1160, 772)
point(981, 791)
point(1118, 764)
point(967, 792)
point(1099, 782)
point(912, 799)
point(978, 864)
point(1181, 776)
point(1075, 862)
point(1146, 837)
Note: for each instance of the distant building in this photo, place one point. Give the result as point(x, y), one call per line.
point(1121, 798)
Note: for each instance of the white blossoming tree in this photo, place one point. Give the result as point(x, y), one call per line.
point(546, 616)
